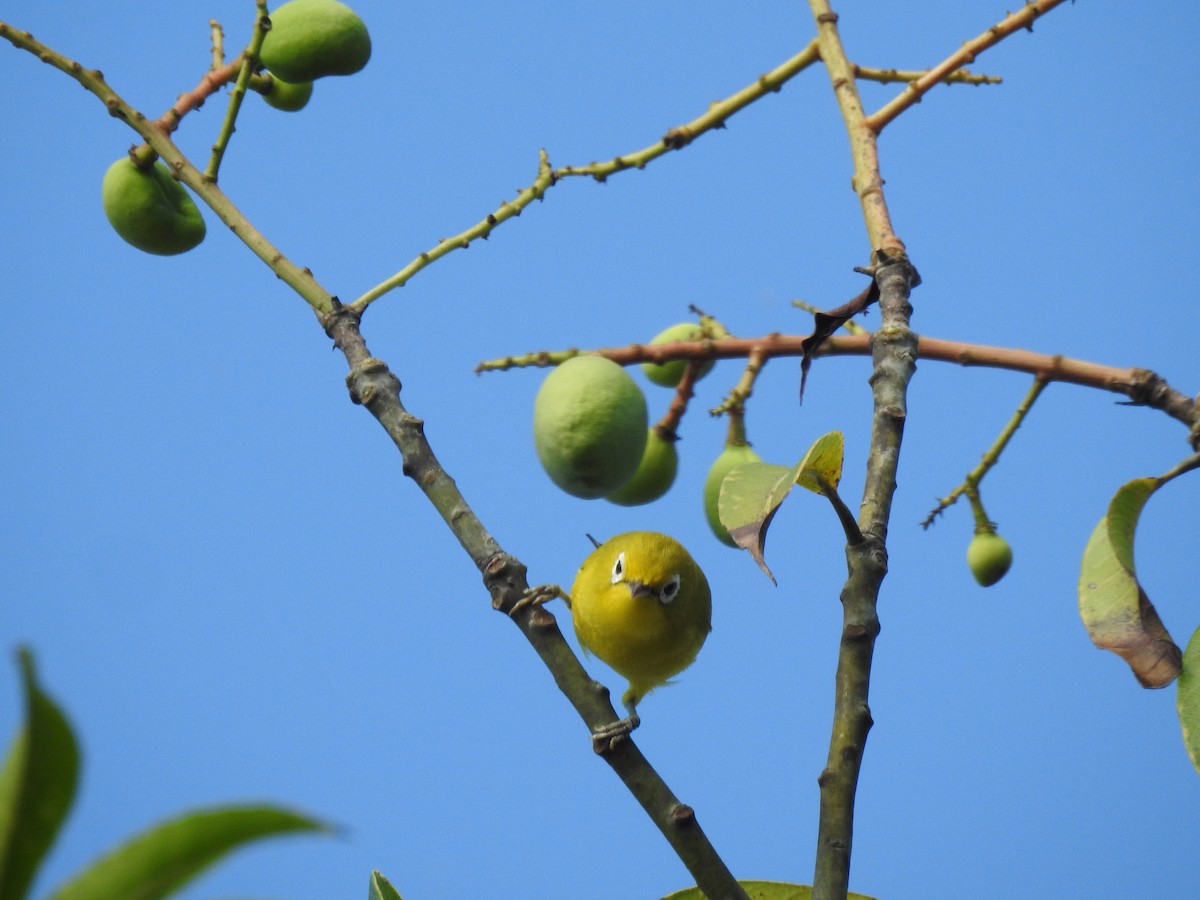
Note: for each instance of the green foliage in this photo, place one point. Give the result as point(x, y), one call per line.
point(37, 786)
point(764, 890)
point(1187, 699)
point(381, 888)
point(166, 857)
point(751, 493)
point(149, 209)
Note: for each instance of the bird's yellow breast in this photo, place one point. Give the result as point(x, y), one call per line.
point(641, 604)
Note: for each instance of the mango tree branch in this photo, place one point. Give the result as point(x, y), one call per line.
point(893, 349)
point(674, 139)
point(887, 76)
point(372, 385)
point(966, 54)
point(155, 134)
point(1142, 387)
point(866, 181)
point(714, 118)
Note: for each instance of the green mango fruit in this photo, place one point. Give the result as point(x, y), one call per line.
point(287, 96)
point(150, 209)
point(733, 455)
point(654, 476)
point(310, 39)
point(589, 426)
point(988, 556)
point(668, 374)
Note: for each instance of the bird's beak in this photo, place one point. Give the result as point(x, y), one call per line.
point(640, 589)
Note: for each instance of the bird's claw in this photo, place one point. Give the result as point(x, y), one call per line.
point(606, 737)
point(538, 595)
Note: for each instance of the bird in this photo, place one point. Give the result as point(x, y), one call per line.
point(642, 605)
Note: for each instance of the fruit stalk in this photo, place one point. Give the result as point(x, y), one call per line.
point(249, 62)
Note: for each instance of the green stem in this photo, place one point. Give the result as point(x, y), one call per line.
point(249, 64)
point(973, 478)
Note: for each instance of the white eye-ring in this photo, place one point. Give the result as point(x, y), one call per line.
point(618, 572)
point(669, 591)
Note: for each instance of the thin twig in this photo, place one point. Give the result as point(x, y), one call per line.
point(675, 138)
point(992, 456)
point(965, 55)
point(249, 63)
point(888, 76)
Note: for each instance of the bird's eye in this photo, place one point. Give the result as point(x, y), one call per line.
point(618, 573)
point(670, 590)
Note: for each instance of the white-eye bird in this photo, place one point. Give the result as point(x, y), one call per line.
point(641, 604)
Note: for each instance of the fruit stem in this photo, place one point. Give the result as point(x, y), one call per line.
point(249, 62)
point(982, 522)
point(736, 399)
point(990, 458)
point(668, 426)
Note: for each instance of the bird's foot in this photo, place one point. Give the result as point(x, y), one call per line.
point(608, 736)
point(538, 595)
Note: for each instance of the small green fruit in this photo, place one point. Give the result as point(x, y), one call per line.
point(287, 96)
point(668, 374)
point(310, 39)
point(150, 209)
point(989, 557)
point(589, 426)
point(733, 455)
point(654, 476)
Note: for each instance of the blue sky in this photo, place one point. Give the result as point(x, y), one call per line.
point(236, 595)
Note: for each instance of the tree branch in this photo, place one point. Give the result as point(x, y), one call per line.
point(867, 181)
point(674, 139)
point(965, 55)
point(1141, 386)
point(372, 385)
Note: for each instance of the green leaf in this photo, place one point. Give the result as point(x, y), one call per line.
point(1187, 700)
point(1115, 609)
point(381, 888)
point(764, 890)
point(163, 859)
point(37, 786)
point(750, 496)
point(752, 493)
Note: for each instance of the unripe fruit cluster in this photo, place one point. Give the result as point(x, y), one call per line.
point(590, 428)
point(308, 39)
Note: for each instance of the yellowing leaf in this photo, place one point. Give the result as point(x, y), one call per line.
point(1115, 610)
point(821, 467)
point(752, 493)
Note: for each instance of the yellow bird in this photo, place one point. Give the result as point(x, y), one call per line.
point(641, 604)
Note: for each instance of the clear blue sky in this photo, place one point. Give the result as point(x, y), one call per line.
point(236, 595)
